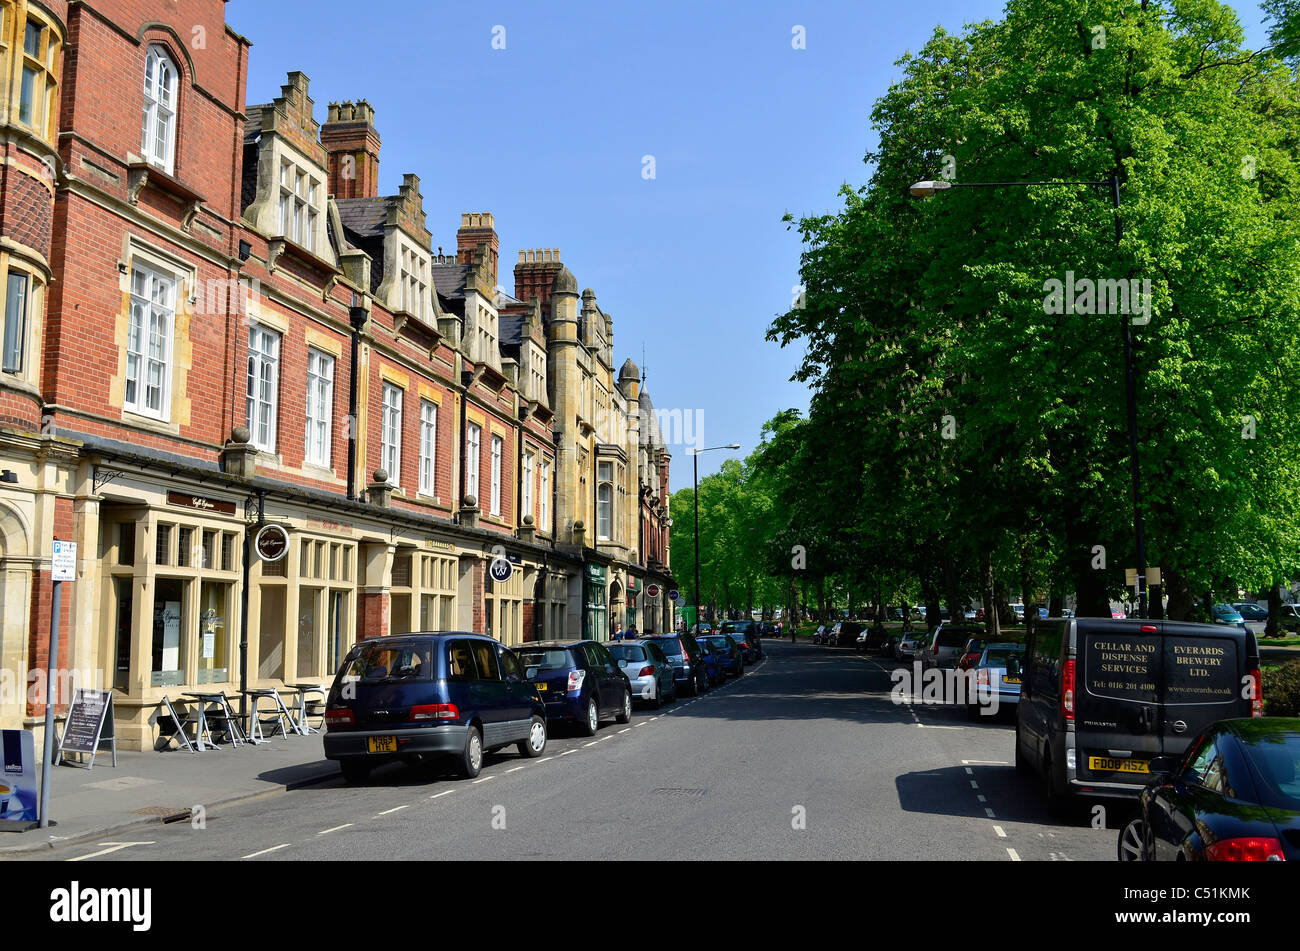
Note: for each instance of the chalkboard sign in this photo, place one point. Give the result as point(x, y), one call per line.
point(90, 724)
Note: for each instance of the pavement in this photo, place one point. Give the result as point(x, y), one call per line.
point(149, 788)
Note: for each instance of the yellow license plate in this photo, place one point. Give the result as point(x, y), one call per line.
point(541, 686)
point(1011, 680)
point(1106, 764)
point(382, 744)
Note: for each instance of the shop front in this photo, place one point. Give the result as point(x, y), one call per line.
point(596, 603)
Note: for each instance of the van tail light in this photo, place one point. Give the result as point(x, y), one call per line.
point(982, 677)
point(435, 711)
point(1247, 849)
point(647, 671)
point(1067, 692)
point(342, 716)
point(1257, 693)
point(576, 677)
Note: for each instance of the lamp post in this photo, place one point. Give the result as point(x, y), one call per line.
point(925, 189)
point(695, 497)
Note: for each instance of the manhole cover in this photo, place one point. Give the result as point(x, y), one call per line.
point(678, 791)
point(162, 811)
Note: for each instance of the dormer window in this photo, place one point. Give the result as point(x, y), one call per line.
point(299, 205)
point(158, 130)
point(414, 281)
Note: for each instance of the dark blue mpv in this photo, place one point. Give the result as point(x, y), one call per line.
point(579, 681)
point(418, 696)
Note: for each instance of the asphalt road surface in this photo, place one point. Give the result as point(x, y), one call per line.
point(805, 757)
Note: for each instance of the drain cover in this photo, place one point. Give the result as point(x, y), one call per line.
point(182, 812)
point(678, 791)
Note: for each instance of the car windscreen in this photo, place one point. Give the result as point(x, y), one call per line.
point(553, 659)
point(382, 660)
point(628, 652)
point(953, 638)
point(1276, 757)
point(671, 645)
point(1004, 658)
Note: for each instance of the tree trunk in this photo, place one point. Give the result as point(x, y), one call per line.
point(1274, 625)
point(1181, 600)
point(991, 620)
point(952, 588)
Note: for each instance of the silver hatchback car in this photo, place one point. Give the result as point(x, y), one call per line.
point(647, 668)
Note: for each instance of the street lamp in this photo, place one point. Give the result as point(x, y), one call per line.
point(926, 189)
point(695, 497)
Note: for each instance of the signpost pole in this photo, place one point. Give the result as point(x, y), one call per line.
point(47, 759)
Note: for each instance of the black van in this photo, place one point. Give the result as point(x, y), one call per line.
point(1101, 697)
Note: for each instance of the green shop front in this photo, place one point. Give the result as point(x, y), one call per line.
point(596, 603)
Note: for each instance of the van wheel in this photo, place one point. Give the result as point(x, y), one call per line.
point(1022, 764)
point(1057, 803)
point(471, 760)
point(536, 742)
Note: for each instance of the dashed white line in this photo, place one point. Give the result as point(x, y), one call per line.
point(627, 730)
point(113, 847)
point(567, 752)
point(643, 723)
point(969, 771)
point(974, 785)
point(981, 799)
point(985, 762)
point(441, 794)
point(1014, 856)
point(989, 812)
point(483, 780)
point(274, 848)
point(545, 758)
point(516, 769)
point(586, 745)
point(1000, 832)
point(335, 829)
point(394, 809)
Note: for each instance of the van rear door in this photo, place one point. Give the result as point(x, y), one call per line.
point(1203, 681)
point(1118, 721)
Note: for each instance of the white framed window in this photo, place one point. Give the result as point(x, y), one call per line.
point(428, 446)
point(473, 439)
point(263, 385)
point(545, 500)
point(158, 127)
point(149, 343)
point(299, 204)
point(320, 406)
point(414, 280)
point(390, 447)
point(15, 318)
point(526, 492)
point(498, 445)
point(604, 501)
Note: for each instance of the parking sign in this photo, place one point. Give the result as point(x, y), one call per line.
point(63, 563)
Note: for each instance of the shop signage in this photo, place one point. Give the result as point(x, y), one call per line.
point(90, 723)
point(500, 569)
point(272, 542)
point(596, 574)
point(202, 504)
point(18, 781)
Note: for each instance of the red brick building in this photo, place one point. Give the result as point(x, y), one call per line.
point(213, 321)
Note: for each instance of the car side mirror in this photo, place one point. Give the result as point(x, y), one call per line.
point(622, 663)
point(1162, 765)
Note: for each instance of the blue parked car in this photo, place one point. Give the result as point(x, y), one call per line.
point(1227, 614)
point(687, 660)
point(579, 681)
point(712, 662)
point(729, 652)
point(419, 696)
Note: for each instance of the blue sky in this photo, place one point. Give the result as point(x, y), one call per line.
point(550, 133)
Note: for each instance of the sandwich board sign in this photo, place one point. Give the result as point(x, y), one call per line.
point(18, 780)
point(90, 724)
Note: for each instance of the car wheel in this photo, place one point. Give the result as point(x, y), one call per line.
point(591, 723)
point(471, 759)
point(536, 742)
point(658, 700)
point(354, 770)
point(1131, 845)
point(625, 716)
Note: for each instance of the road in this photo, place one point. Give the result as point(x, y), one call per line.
point(805, 757)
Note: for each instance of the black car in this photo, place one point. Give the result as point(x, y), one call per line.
point(746, 634)
point(1101, 698)
point(690, 670)
point(420, 696)
point(1233, 796)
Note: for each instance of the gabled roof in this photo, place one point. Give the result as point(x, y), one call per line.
point(364, 217)
point(450, 279)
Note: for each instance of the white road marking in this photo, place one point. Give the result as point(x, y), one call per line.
point(394, 809)
point(516, 769)
point(441, 794)
point(113, 847)
point(930, 726)
point(974, 785)
point(998, 830)
point(981, 799)
point(989, 812)
point(969, 771)
point(545, 758)
point(627, 730)
point(567, 752)
point(274, 848)
point(985, 762)
point(335, 829)
point(643, 723)
point(592, 743)
point(1014, 856)
point(483, 780)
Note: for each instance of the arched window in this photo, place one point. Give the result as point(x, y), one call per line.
point(158, 130)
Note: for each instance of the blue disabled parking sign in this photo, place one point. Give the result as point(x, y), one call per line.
point(673, 595)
